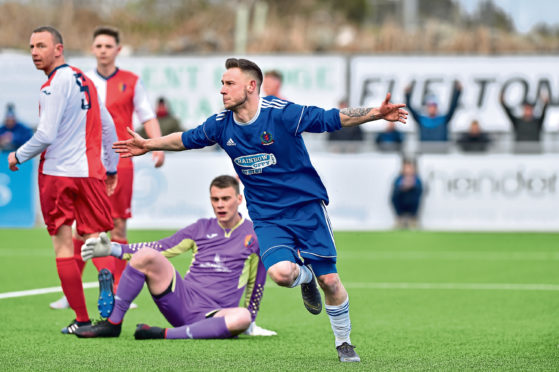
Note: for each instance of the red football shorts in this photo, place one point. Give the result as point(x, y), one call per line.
point(81, 199)
point(121, 200)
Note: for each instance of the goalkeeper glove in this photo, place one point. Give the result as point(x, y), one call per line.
point(100, 247)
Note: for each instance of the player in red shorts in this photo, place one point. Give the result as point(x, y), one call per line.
point(123, 94)
point(73, 182)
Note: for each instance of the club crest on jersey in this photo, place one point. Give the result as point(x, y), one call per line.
point(266, 138)
point(249, 240)
point(122, 87)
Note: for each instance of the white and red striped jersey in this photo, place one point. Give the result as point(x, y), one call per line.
point(74, 128)
point(123, 94)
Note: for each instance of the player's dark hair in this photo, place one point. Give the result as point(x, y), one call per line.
point(109, 31)
point(246, 66)
point(56, 36)
point(225, 181)
point(275, 74)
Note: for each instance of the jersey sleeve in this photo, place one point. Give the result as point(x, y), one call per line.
point(311, 119)
point(180, 242)
point(254, 278)
point(142, 107)
point(206, 134)
point(110, 157)
point(52, 103)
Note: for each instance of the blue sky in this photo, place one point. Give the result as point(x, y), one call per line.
point(525, 13)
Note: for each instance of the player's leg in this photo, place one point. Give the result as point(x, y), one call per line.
point(57, 204)
point(70, 276)
point(121, 202)
point(284, 266)
point(93, 215)
point(225, 323)
point(316, 234)
point(337, 308)
point(146, 266)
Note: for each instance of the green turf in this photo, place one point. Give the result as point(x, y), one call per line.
point(394, 329)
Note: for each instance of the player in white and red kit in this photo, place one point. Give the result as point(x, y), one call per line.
point(73, 182)
point(123, 94)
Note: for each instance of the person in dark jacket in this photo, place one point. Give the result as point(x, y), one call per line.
point(406, 195)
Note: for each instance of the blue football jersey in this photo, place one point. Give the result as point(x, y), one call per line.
point(269, 153)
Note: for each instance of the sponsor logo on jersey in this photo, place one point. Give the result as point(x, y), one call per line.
point(218, 265)
point(231, 142)
point(255, 162)
point(266, 138)
point(210, 236)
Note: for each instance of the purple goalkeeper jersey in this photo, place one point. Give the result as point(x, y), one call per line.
point(225, 263)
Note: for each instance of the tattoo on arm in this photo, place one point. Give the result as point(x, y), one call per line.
point(357, 112)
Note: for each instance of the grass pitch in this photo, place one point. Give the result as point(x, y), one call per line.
point(419, 301)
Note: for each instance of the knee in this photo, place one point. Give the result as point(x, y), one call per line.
point(143, 258)
point(283, 273)
point(330, 283)
point(239, 321)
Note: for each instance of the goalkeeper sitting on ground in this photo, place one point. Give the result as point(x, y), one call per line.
point(205, 303)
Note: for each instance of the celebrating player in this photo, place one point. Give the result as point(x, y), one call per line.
point(285, 196)
point(73, 186)
point(205, 303)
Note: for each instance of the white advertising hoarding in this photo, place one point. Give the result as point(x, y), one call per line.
point(477, 193)
point(483, 80)
point(490, 192)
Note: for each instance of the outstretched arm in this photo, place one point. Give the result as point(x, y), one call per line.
point(351, 117)
point(137, 145)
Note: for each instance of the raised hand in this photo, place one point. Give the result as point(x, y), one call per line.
point(392, 111)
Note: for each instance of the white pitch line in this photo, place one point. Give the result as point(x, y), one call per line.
point(451, 286)
point(364, 285)
point(40, 291)
point(458, 286)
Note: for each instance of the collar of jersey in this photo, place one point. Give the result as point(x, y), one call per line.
point(56, 68)
point(106, 77)
point(228, 234)
point(254, 118)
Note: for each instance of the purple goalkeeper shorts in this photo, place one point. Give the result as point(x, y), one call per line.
point(178, 305)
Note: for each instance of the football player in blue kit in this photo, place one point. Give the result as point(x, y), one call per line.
point(286, 198)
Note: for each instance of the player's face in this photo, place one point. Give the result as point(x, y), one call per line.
point(44, 51)
point(225, 203)
point(105, 49)
point(234, 88)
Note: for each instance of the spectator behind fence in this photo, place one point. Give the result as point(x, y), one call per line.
point(391, 139)
point(271, 85)
point(13, 133)
point(344, 139)
point(406, 195)
point(167, 121)
point(528, 127)
point(433, 126)
point(474, 140)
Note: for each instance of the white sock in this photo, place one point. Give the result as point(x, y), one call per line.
point(339, 319)
point(305, 276)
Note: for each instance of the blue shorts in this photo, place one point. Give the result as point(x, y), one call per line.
point(302, 235)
